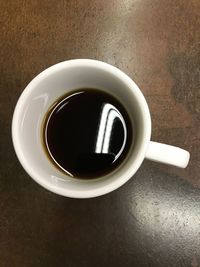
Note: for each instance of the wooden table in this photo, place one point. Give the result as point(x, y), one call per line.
point(153, 220)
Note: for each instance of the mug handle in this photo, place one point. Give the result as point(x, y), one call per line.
point(167, 154)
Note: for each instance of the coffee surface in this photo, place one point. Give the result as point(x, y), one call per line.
point(87, 133)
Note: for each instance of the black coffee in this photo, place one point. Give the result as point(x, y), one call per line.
point(87, 133)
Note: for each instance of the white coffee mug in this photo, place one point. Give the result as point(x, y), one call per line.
point(56, 81)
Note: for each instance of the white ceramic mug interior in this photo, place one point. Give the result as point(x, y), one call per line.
point(43, 91)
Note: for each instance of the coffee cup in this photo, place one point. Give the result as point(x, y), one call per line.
point(63, 78)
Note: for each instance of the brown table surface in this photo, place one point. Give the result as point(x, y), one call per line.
point(153, 220)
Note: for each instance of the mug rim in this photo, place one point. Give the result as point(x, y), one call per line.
point(125, 79)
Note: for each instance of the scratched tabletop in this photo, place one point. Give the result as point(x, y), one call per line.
point(154, 219)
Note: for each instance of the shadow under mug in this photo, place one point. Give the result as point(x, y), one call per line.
point(60, 79)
